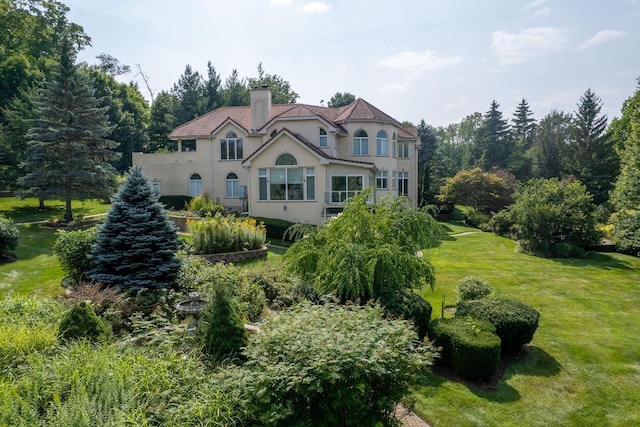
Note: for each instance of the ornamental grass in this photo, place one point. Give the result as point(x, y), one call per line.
point(220, 234)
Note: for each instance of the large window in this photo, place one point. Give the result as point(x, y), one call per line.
point(195, 185)
point(403, 183)
point(233, 188)
point(360, 143)
point(286, 181)
point(382, 144)
point(382, 180)
point(324, 142)
point(231, 147)
point(345, 186)
point(403, 150)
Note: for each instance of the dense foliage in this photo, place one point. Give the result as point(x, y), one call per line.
point(9, 236)
point(484, 191)
point(73, 249)
point(514, 321)
point(367, 250)
point(220, 234)
point(203, 206)
point(82, 322)
point(137, 243)
point(472, 287)
point(325, 366)
point(401, 304)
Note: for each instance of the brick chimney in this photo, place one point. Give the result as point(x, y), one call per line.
point(260, 107)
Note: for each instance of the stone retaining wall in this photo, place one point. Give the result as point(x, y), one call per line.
point(229, 257)
point(181, 222)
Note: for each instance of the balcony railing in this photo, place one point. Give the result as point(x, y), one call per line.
point(338, 197)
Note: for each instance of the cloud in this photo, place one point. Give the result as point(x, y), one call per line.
point(541, 13)
point(603, 36)
point(395, 87)
point(316, 7)
point(530, 42)
point(534, 4)
point(460, 103)
point(280, 2)
point(417, 63)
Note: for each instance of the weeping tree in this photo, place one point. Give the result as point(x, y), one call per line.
point(137, 243)
point(368, 250)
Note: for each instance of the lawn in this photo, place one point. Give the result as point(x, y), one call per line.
point(584, 365)
point(27, 210)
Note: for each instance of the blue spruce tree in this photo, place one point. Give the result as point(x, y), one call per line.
point(137, 243)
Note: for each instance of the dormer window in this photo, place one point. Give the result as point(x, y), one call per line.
point(231, 147)
point(382, 144)
point(324, 142)
point(360, 143)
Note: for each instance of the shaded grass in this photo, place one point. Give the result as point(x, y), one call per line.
point(26, 210)
point(584, 366)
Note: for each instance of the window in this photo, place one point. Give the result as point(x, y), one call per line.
point(324, 142)
point(394, 144)
point(403, 183)
point(274, 133)
point(156, 188)
point(231, 147)
point(394, 180)
point(360, 143)
point(233, 189)
point(345, 186)
point(403, 150)
point(286, 182)
point(195, 185)
point(382, 180)
point(382, 144)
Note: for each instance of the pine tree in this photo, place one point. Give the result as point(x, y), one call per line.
point(592, 158)
point(494, 140)
point(549, 145)
point(67, 154)
point(524, 126)
point(137, 243)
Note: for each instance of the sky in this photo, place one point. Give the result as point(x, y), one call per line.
point(437, 60)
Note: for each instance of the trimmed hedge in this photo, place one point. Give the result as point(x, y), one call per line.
point(472, 287)
point(470, 346)
point(515, 322)
point(175, 202)
point(409, 306)
point(275, 227)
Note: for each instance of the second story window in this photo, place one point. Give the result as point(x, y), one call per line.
point(231, 147)
point(324, 142)
point(360, 143)
point(403, 150)
point(382, 144)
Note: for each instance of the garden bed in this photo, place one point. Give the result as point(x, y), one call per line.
point(229, 257)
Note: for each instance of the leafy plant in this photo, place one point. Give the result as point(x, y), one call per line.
point(8, 237)
point(204, 206)
point(221, 234)
point(409, 306)
point(472, 287)
point(626, 231)
point(73, 249)
point(81, 321)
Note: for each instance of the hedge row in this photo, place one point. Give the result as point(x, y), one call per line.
point(275, 227)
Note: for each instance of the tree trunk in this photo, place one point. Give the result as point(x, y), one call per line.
point(41, 203)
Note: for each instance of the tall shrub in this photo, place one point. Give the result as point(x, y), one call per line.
point(81, 321)
point(8, 237)
point(137, 243)
point(220, 234)
point(73, 249)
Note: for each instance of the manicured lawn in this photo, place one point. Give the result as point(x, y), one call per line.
point(584, 367)
point(27, 210)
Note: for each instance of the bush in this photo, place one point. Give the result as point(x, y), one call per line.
point(471, 287)
point(515, 322)
point(175, 202)
point(250, 300)
point(476, 219)
point(226, 234)
point(107, 302)
point(626, 231)
point(409, 306)
point(204, 206)
point(73, 249)
point(81, 321)
point(8, 237)
point(222, 331)
point(275, 228)
point(280, 289)
point(325, 366)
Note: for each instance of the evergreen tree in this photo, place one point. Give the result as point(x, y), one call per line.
point(235, 92)
point(592, 158)
point(281, 92)
point(523, 131)
point(190, 91)
point(426, 156)
point(163, 121)
point(67, 152)
point(626, 194)
point(212, 88)
point(494, 139)
point(137, 243)
point(550, 145)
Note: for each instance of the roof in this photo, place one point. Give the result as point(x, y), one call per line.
point(209, 123)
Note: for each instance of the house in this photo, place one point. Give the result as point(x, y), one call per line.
point(295, 162)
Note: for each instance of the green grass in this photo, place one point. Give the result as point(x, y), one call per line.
point(584, 368)
point(26, 210)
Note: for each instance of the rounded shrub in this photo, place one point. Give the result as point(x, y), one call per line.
point(472, 287)
point(409, 306)
point(475, 352)
point(514, 321)
point(442, 332)
point(8, 237)
point(204, 206)
point(73, 249)
point(221, 330)
point(81, 321)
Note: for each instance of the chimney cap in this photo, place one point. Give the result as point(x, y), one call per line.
point(264, 87)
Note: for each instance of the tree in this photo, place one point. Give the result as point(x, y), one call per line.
point(281, 92)
point(592, 158)
point(235, 92)
point(426, 156)
point(550, 145)
point(67, 153)
point(341, 99)
point(212, 88)
point(494, 139)
point(163, 121)
point(484, 191)
point(367, 250)
point(523, 130)
point(190, 92)
point(137, 243)
point(9, 236)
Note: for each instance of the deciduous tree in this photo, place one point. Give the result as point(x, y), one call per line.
point(341, 99)
point(484, 191)
point(281, 92)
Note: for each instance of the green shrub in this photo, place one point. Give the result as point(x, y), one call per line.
point(81, 321)
point(175, 202)
point(275, 228)
point(515, 322)
point(409, 306)
point(325, 366)
point(250, 300)
point(476, 219)
point(73, 249)
point(471, 287)
point(280, 288)
point(221, 234)
point(626, 231)
point(9, 236)
point(204, 206)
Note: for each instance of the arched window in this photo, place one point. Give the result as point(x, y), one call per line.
point(231, 147)
point(360, 143)
point(195, 185)
point(233, 188)
point(382, 144)
point(274, 133)
point(324, 142)
point(286, 159)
